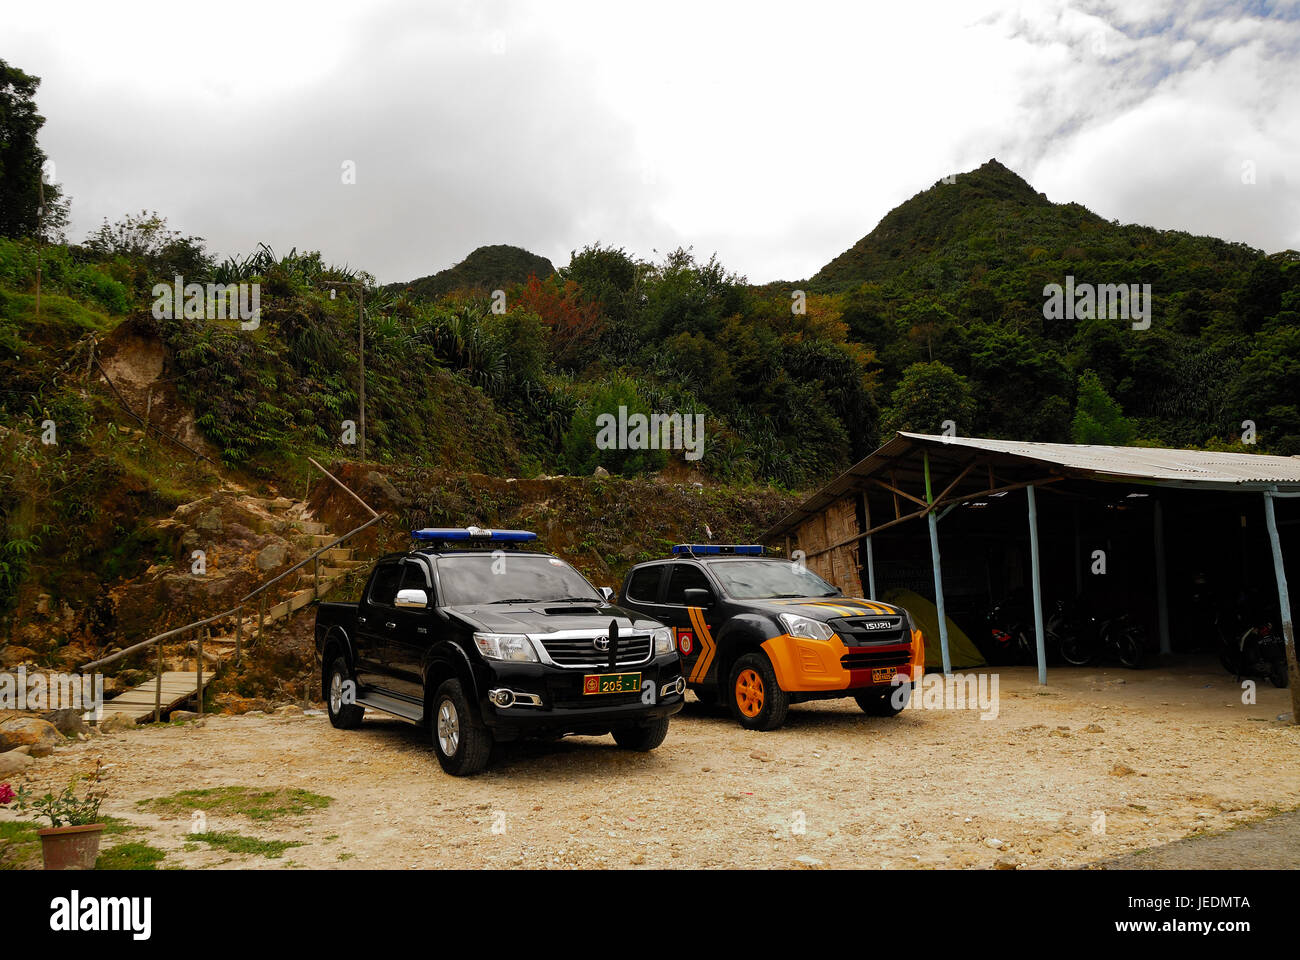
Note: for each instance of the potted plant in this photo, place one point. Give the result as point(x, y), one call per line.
point(71, 842)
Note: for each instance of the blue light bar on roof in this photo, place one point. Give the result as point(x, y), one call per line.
point(478, 534)
point(737, 549)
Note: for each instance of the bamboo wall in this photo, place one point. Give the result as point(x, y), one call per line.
point(838, 521)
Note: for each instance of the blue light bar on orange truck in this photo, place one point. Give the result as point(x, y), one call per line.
point(730, 549)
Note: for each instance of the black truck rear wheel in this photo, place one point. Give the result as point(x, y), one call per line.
point(340, 689)
point(460, 739)
point(888, 702)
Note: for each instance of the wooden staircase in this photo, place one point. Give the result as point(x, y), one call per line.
point(180, 676)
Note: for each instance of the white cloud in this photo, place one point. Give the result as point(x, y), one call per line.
point(776, 135)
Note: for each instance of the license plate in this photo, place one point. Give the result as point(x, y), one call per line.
point(883, 674)
point(611, 683)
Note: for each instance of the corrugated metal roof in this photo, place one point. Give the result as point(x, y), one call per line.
point(1145, 463)
point(1209, 470)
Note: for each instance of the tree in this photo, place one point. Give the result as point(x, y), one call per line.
point(22, 162)
point(584, 449)
point(1098, 418)
point(575, 322)
point(155, 251)
point(926, 396)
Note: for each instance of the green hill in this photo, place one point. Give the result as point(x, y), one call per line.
point(488, 268)
point(990, 219)
point(948, 291)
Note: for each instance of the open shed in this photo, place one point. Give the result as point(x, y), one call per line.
point(1056, 518)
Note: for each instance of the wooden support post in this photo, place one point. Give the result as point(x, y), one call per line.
point(199, 670)
point(1039, 638)
point(938, 572)
point(1284, 602)
point(871, 571)
point(315, 574)
point(1162, 590)
point(261, 607)
point(157, 688)
point(871, 557)
point(1078, 554)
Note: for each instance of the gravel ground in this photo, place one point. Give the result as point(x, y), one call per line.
point(1272, 844)
point(1098, 765)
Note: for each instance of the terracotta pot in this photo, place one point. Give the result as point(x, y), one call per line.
point(70, 848)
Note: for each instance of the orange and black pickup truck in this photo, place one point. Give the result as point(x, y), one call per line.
point(760, 633)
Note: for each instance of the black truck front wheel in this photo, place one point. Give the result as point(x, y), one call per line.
point(340, 693)
point(642, 736)
point(462, 742)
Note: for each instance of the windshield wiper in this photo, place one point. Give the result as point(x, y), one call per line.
point(517, 600)
point(575, 600)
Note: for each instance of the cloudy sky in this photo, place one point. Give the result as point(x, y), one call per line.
point(773, 134)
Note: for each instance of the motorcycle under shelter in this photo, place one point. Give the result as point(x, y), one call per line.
point(1172, 538)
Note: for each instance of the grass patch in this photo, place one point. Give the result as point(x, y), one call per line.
point(116, 827)
point(130, 856)
point(20, 847)
point(346, 856)
point(261, 805)
point(239, 843)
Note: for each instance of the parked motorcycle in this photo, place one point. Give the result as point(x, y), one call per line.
point(1254, 650)
point(1011, 634)
point(1084, 639)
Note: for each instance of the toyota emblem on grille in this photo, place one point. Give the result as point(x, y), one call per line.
point(601, 643)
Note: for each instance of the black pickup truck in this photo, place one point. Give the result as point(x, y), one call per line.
point(482, 640)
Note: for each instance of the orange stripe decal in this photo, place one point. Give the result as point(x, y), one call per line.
point(705, 659)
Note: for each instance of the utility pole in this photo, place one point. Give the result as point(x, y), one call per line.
point(361, 363)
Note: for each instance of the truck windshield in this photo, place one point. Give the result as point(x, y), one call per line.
point(769, 579)
point(505, 578)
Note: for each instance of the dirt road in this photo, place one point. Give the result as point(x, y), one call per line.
point(1100, 764)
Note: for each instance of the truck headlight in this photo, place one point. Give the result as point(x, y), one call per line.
point(809, 629)
point(664, 642)
point(506, 646)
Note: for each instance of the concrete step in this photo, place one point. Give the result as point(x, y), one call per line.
point(336, 555)
point(313, 527)
point(321, 540)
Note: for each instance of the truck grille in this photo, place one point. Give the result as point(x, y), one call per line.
point(862, 658)
point(580, 652)
point(856, 632)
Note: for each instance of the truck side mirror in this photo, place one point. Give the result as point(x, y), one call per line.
point(412, 599)
point(697, 597)
point(607, 593)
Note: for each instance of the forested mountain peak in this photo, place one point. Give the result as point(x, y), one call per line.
point(953, 211)
point(491, 267)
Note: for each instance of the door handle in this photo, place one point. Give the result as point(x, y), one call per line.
point(391, 626)
point(361, 619)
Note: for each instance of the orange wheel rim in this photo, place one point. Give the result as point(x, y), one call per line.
point(749, 692)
